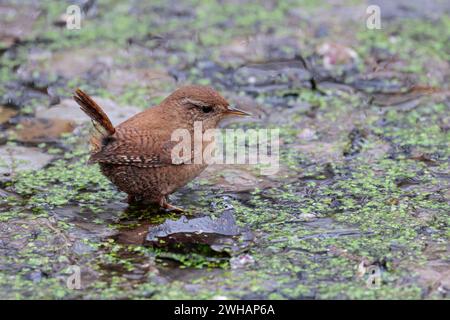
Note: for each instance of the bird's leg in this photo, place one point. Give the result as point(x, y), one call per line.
point(131, 199)
point(164, 204)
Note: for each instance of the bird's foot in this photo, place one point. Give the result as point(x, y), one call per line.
point(171, 208)
point(137, 201)
point(131, 199)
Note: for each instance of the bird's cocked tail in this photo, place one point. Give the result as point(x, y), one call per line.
point(95, 112)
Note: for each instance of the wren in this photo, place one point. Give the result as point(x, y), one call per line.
point(136, 154)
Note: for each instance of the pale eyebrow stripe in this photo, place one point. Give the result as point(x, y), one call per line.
point(195, 102)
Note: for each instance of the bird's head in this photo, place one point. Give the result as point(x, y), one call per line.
point(200, 103)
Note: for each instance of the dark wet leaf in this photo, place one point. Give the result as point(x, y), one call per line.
point(222, 234)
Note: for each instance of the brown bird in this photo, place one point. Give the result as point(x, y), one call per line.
point(136, 154)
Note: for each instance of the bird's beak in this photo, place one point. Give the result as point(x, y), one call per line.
point(237, 112)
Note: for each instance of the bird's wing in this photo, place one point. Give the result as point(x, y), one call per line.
point(146, 149)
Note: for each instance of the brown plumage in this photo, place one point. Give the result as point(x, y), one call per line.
point(136, 155)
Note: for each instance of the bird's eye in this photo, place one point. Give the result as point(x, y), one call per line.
point(207, 109)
